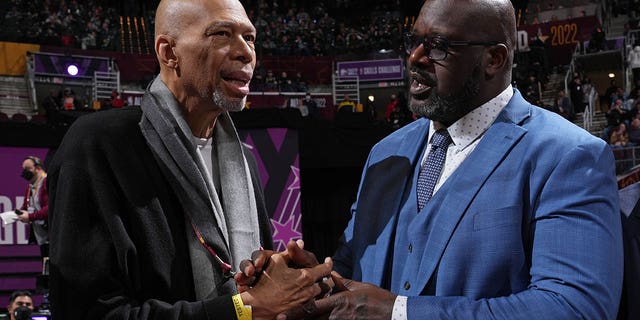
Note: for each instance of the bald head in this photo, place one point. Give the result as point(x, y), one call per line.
point(172, 16)
point(486, 20)
point(499, 20)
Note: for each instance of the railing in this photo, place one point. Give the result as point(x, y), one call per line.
point(594, 98)
point(626, 158)
point(346, 85)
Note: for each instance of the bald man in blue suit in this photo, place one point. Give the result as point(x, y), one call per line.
point(523, 222)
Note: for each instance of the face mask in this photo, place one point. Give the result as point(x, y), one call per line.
point(27, 175)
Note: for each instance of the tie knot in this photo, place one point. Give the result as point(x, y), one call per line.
point(441, 139)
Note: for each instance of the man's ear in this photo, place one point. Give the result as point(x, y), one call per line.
point(498, 58)
point(164, 48)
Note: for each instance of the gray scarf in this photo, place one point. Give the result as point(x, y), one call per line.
point(227, 221)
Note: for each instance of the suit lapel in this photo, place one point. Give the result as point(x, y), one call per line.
point(448, 207)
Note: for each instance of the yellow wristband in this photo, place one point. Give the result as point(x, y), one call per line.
point(242, 312)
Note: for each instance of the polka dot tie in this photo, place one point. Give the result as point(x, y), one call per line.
point(432, 166)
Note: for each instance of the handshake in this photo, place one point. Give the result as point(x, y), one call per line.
point(292, 285)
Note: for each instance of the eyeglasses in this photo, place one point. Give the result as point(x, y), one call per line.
point(436, 48)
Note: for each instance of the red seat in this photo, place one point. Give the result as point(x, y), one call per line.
point(19, 117)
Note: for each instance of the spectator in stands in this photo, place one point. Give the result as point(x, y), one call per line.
point(562, 105)
point(159, 237)
point(634, 132)
point(311, 105)
point(35, 209)
point(284, 46)
point(346, 105)
point(299, 83)
point(393, 102)
point(621, 95)
point(284, 82)
point(619, 136)
point(259, 74)
point(270, 82)
point(89, 40)
point(117, 101)
point(615, 116)
point(605, 99)
point(597, 41)
point(69, 101)
point(634, 62)
point(397, 118)
point(20, 302)
point(576, 94)
point(301, 47)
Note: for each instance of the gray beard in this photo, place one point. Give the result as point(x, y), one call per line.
point(448, 109)
point(227, 103)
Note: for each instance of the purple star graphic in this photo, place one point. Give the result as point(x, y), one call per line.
point(283, 232)
point(295, 184)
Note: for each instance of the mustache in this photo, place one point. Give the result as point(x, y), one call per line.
point(422, 76)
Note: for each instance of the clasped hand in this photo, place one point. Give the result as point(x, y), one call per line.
point(350, 299)
point(271, 287)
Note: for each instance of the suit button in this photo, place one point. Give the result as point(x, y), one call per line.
point(410, 247)
point(407, 285)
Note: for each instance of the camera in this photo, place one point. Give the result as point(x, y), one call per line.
point(22, 313)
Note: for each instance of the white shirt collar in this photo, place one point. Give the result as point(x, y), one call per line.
point(470, 127)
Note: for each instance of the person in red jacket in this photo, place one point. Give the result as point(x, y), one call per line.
point(35, 209)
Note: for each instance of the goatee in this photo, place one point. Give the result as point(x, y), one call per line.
point(447, 109)
point(227, 103)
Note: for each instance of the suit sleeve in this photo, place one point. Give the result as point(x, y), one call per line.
point(576, 248)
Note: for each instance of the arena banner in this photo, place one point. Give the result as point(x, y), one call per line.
point(372, 70)
point(13, 62)
point(558, 37)
point(276, 151)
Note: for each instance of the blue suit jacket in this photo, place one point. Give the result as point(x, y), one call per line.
point(527, 227)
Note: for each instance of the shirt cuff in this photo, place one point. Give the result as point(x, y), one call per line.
point(399, 308)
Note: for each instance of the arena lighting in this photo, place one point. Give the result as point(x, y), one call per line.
point(72, 69)
point(371, 98)
point(611, 75)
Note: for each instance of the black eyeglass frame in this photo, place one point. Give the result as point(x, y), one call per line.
point(443, 43)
